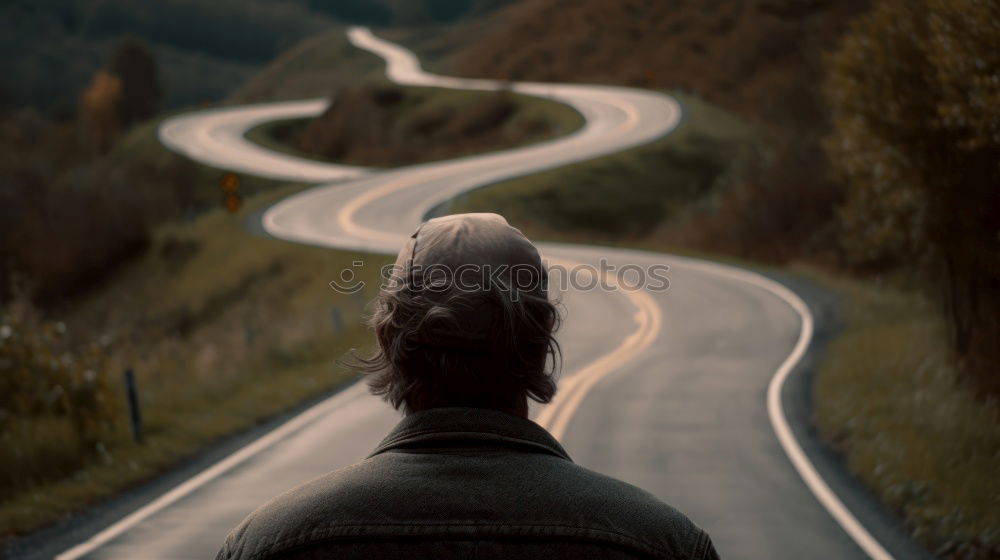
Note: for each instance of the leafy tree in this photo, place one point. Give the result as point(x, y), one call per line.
point(99, 106)
point(914, 91)
point(133, 63)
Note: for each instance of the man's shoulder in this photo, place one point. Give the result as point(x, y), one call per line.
point(637, 512)
point(419, 493)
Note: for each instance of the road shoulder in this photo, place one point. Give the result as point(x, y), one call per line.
point(798, 403)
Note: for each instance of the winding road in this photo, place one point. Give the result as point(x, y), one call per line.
point(679, 392)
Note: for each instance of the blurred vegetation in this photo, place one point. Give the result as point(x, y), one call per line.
point(55, 401)
point(106, 160)
point(73, 215)
point(404, 12)
point(312, 68)
point(223, 330)
point(50, 174)
point(133, 64)
point(886, 397)
point(915, 95)
point(380, 124)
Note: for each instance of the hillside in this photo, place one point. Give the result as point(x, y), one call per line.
point(314, 67)
point(760, 59)
point(747, 55)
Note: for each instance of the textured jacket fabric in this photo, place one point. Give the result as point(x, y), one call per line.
point(466, 483)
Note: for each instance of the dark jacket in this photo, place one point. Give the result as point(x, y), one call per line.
point(466, 483)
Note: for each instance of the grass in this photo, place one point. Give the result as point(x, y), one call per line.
point(532, 120)
point(626, 195)
point(889, 398)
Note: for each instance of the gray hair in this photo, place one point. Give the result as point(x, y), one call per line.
point(427, 355)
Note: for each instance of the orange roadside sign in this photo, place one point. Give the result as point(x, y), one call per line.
point(233, 202)
point(230, 182)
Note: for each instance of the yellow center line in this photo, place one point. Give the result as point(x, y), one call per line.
point(555, 417)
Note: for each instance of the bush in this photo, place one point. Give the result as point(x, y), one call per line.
point(55, 403)
point(71, 216)
point(780, 207)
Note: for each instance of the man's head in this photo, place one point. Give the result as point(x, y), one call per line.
point(465, 320)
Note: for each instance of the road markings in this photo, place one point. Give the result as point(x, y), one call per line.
point(363, 38)
point(776, 412)
point(557, 415)
point(647, 316)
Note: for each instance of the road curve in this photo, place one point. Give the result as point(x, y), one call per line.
point(676, 391)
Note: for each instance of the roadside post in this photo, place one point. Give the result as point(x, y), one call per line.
point(338, 319)
point(133, 405)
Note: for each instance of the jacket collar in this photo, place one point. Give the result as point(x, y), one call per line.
point(469, 428)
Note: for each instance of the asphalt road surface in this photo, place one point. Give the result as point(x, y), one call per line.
point(676, 391)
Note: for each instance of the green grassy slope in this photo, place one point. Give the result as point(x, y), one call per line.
point(627, 195)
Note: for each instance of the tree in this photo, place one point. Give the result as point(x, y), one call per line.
point(914, 91)
point(133, 63)
point(99, 108)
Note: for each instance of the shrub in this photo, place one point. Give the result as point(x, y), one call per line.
point(55, 402)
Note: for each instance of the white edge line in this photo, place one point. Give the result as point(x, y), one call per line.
point(138, 516)
point(790, 444)
point(776, 412)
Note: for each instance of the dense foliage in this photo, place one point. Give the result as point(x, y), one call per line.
point(915, 94)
